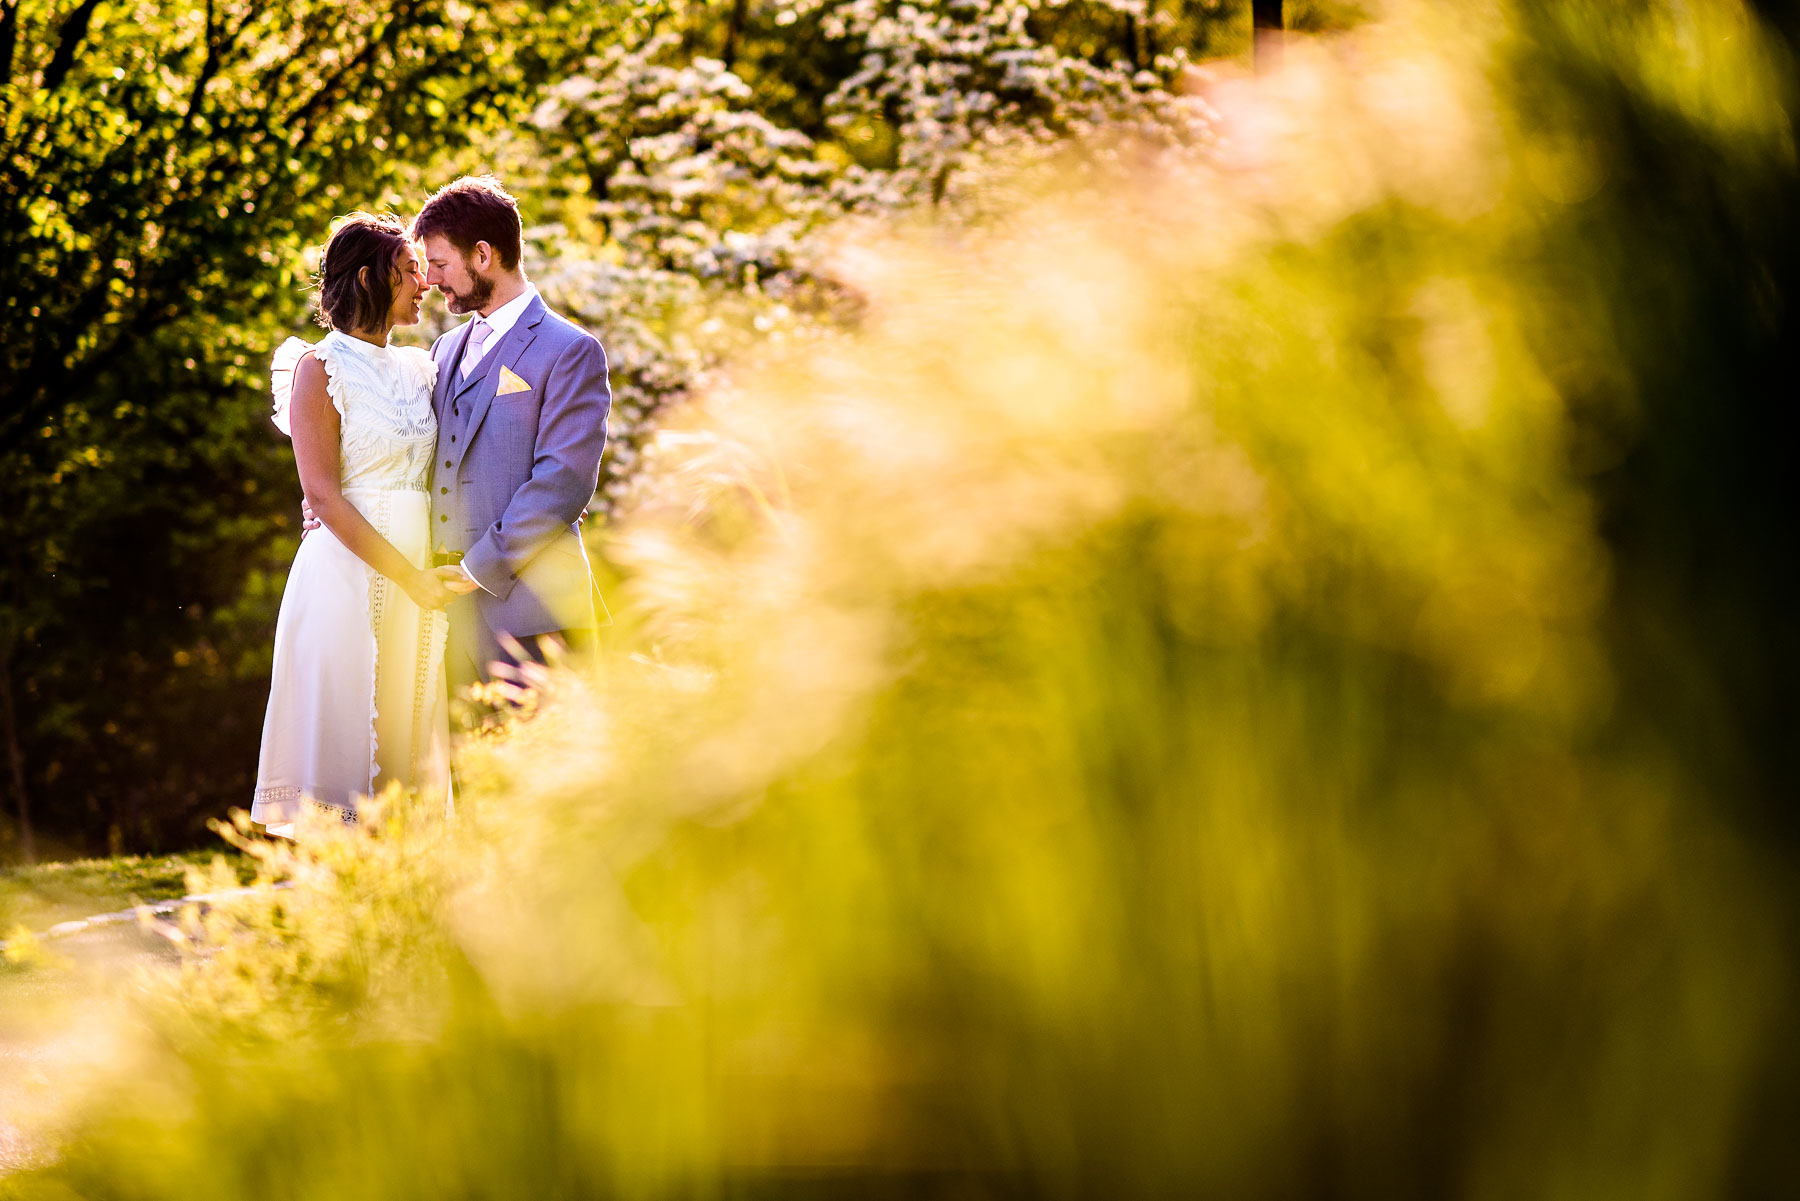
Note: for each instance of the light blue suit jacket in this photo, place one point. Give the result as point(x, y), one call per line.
point(512, 477)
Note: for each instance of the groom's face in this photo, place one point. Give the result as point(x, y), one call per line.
point(460, 277)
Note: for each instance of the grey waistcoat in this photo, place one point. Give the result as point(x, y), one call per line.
point(513, 474)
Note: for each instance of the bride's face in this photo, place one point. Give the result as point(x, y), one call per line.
point(409, 293)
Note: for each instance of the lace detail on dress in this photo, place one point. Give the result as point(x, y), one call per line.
point(385, 383)
point(383, 394)
point(346, 815)
point(433, 630)
point(379, 587)
point(274, 802)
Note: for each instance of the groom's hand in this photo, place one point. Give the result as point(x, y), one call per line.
point(308, 521)
point(456, 580)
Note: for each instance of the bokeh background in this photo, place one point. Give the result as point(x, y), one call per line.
point(171, 171)
point(1183, 630)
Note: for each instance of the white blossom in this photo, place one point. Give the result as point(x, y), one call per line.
point(705, 218)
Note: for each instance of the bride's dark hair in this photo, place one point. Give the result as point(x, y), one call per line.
point(349, 297)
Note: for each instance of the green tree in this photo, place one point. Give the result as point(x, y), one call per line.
point(162, 170)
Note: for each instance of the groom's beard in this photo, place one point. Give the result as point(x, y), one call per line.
point(475, 298)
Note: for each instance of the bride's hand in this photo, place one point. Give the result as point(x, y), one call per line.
point(428, 589)
point(460, 582)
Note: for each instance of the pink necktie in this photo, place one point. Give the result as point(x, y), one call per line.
point(477, 336)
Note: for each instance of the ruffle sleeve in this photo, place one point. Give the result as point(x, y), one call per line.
point(281, 377)
point(281, 380)
point(425, 365)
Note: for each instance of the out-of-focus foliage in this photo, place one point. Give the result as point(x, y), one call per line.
point(1230, 684)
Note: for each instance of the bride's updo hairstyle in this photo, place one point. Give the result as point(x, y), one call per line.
point(351, 297)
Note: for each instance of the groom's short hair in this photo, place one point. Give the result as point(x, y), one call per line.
point(474, 209)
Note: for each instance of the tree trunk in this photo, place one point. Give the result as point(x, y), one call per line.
point(1266, 26)
point(734, 29)
point(16, 757)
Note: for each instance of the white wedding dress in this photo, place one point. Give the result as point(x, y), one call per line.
point(357, 695)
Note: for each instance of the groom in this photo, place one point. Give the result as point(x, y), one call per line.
point(521, 402)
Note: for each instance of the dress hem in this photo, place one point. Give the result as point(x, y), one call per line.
point(283, 805)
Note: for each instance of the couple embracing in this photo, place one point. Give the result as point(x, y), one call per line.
point(447, 491)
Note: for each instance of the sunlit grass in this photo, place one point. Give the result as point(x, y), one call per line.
point(40, 896)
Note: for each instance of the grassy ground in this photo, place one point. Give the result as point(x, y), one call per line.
point(38, 897)
point(50, 1005)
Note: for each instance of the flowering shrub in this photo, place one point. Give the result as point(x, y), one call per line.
point(960, 80)
point(701, 219)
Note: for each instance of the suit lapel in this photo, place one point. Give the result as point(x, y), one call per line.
point(447, 381)
point(508, 352)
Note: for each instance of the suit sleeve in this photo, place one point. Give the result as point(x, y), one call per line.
point(566, 470)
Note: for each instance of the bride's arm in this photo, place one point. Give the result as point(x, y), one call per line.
point(315, 425)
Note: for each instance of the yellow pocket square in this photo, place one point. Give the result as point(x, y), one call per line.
point(510, 383)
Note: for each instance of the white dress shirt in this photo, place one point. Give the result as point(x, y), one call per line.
point(501, 321)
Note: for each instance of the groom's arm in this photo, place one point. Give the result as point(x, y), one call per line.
point(571, 435)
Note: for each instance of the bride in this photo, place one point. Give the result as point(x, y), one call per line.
point(357, 698)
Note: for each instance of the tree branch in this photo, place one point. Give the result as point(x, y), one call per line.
point(734, 29)
point(9, 38)
point(197, 95)
point(68, 43)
